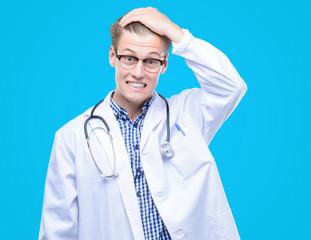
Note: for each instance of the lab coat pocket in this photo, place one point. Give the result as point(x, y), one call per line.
point(226, 226)
point(191, 152)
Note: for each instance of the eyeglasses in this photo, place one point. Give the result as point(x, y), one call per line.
point(150, 64)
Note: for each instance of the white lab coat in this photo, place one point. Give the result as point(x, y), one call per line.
point(187, 190)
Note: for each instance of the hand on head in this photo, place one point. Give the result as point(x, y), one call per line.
point(155, 21)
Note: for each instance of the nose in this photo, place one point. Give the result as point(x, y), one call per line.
point(138, 71)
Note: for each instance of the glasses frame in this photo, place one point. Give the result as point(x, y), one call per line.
point(142, 59)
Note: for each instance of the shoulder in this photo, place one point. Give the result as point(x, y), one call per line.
point(185, 107)
point(192, 95)
point(74, 127)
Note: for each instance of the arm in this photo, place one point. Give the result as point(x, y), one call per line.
point(60, 205)
point(221, 86)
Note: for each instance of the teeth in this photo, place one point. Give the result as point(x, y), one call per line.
point(137, 85)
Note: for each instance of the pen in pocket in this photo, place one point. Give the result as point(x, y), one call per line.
point(179, 129)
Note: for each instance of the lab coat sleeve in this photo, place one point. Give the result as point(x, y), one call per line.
point(221, 86)
point(60, 205)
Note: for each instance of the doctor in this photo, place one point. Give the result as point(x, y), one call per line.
point(150, 195)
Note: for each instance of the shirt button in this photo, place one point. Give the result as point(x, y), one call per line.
point(138, 193)
point(135, 125)
point(137, 147)
point(139, 171)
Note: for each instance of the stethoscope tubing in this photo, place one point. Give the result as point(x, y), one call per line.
point(168, 131)
point(166, 149)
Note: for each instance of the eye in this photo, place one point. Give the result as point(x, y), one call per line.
point(129, 59)
point(151, 61)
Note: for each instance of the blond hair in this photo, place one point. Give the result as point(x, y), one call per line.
point(138, 28)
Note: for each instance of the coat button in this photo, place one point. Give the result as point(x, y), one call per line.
point(183, 182)
point(179, 234)
point(160, 196)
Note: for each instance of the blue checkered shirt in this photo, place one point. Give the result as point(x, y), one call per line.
point(153, 225)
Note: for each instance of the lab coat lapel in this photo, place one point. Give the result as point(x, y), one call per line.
point(125, 177)
point(96, 127)
point(155, 114)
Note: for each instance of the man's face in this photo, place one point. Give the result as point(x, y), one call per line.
point(136, 86)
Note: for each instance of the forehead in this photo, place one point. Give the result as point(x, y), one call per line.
point(141, 43)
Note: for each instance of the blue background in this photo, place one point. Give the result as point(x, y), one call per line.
point(54, 65)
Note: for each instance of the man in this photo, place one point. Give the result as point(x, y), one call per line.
point(127, 185)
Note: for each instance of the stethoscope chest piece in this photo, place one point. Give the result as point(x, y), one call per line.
point(167, 150)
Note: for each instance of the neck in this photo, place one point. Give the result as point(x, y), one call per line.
point(132, 109)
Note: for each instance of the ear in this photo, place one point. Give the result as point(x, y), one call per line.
point(112, 56)
point(164, 66)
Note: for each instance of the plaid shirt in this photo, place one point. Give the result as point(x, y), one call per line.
point(153, 225)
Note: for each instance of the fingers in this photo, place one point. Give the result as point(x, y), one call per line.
point(150, 17)
point(143, 15)
point(155, 21)
point(132, 16)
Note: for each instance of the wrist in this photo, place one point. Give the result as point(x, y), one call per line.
point(175, 33)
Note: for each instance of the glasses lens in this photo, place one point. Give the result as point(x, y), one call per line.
point(128, 62)
point(152, 65)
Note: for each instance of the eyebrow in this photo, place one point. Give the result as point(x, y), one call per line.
point(127, 49)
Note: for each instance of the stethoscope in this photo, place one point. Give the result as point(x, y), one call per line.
point(166, 148)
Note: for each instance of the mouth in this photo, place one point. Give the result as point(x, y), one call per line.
point(136, 84)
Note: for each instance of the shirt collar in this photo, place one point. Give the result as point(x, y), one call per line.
point(121, 113)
